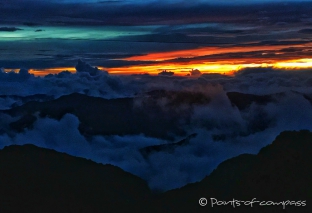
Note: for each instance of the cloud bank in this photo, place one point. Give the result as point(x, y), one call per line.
point(223, 128)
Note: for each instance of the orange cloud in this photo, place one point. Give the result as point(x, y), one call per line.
point(161, 56)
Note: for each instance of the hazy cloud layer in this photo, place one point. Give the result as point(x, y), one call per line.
point(95, 82)
point(223, 130)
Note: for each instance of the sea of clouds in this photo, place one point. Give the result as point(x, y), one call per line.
point(244, 131)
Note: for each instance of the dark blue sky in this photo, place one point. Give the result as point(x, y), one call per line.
point(131, 12)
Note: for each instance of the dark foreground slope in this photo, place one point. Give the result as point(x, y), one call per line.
point(279, 172)
point(40, 180)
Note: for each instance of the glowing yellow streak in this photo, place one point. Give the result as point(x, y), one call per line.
point(181, 69)
point(299, 63)
point(223, 68)
point(56, 70)
point(43, 72)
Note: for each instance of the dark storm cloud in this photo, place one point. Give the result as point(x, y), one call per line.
point(293, 49)
point(242, 56)
point(150, 13)
point(35, 64)
point(47, 62)
point(49, 53)
point(85, 67)
point(284, 42)
point(239, 38)
point(109, 55)
point(245, 57)
point(9, 29)
point(123, 63)
point(30, 24)
point(179, 38)
point(89, 56)
point(214, 29)
point(110, 1)
point(306, 31)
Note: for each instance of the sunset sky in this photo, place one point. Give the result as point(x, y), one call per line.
point(242, 76)
point(128, 36)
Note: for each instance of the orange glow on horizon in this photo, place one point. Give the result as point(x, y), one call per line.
point(223, 64)
point(181, 69)
point(43, 72)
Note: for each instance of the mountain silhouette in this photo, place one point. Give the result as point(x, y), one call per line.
point(34, 179)
point(281, 171)
point(121, 116)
